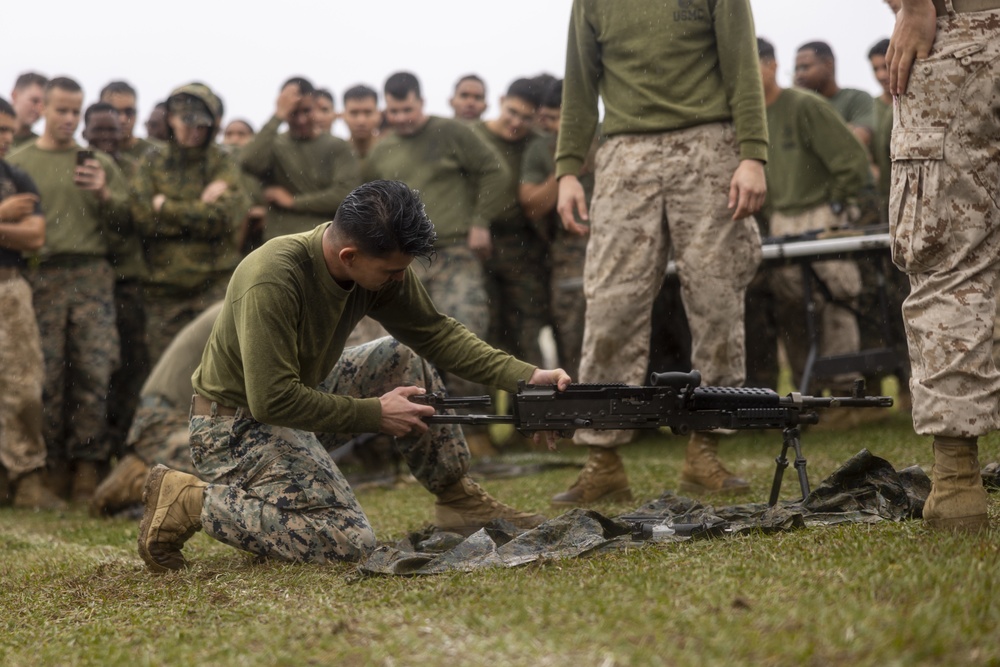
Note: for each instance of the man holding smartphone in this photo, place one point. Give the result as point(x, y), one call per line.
point(84, 195)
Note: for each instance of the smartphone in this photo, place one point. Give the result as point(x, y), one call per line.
point(83, 156)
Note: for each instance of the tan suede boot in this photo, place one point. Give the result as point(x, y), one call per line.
point(173, 514)
point(957, 501)
point(123, 487)
point(703, 472)
point(602, 479)
point(465, 507)
point(86, 477)
point(32, 493)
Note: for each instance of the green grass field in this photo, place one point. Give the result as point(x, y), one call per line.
point(74, 591)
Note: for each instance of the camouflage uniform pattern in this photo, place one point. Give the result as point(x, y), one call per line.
point(22, 448)
point(167, 314)
point(275, 491)
point(74, 305)
point(837, 325)
point(567, 254)
point(160, 433)
point(126, 381)
point(517, 287)
point(945, 225)
point(635, 222)
point(454, 281)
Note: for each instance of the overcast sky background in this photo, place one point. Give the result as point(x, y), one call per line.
point(245, 51)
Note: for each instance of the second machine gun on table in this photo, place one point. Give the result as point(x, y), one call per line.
point(672, 400)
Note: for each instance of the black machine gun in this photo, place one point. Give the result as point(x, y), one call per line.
point(673, 400)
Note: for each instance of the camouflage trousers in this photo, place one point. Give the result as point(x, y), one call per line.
point(127, 380)
point(22, 372)
point(74, 305)
point(517, 285)
point(567, 254)
point(836, 323)
point(160, 433)
point(455, 283)
point(945, 225)
point(655, 193)
point(276, 492)
point(167, 313)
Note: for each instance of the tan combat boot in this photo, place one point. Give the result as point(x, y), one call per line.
point(32, 493)
point(703, 472)
point(123, 487)
point(173, 514)
point(957, 501)
point(465, 507)
point(602, 479)
point(86, 477)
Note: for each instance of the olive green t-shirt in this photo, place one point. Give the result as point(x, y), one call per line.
point(881, 141)
point(77, 223)
point(512, 153)
point(285, 322)
point(814, 158)
point(660, 66)
point(461, 180)
point(855, 107)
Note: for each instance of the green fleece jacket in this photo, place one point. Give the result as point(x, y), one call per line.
point(660, 66)
point(285, 323)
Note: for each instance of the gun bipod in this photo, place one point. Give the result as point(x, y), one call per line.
point(791, 436)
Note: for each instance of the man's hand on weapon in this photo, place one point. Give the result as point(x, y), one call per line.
point(402, 417)
point(561, 380)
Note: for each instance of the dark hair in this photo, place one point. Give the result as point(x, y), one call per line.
point(471, 77)
point(324, 93)
point(765, 49)
point(63, 83)
point(383, 217)
point(6, 109)
point(527, 90)
point(401, 84)
point(821, 49)
point(542, 82)
point(118, 88)
point(881, 48)
point(360, 92)
point(552, 95)
point(163, 106)
point(30, 79)
point(305, 85)
point(97, 107)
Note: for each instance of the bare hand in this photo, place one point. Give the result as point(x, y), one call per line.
point(15, 207)
point(480, 242)
point(90, 176)
point(213, 191)
point(572, 199)
point(401, 416)
point(562, 380)
point(747, 189)
point(279, 196)
point(288, 99)
point(158, 201)
point(912, 38)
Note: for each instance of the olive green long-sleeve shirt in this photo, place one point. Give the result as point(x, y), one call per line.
point(814, 156)
point(285, 322)
point(319, 172)
point(461, 179)
point(660, 66)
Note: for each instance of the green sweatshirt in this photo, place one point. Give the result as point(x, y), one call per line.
point(660, 66)
point(284, 325)
point(170, 378)
point(856, 107)
point(881, 140)
point(319, 172)
point(814, 156)
point(77, 223)
point(512, 152)
point(460, 178)
point(190, 244)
